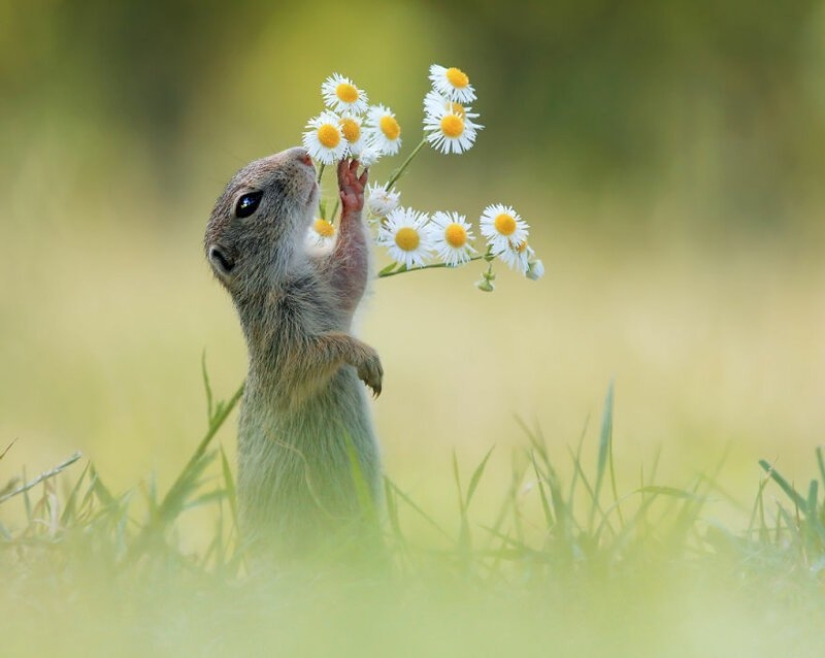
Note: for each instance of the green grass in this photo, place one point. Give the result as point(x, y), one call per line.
point(569, 565)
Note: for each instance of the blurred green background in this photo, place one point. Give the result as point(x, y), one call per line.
point(668, 156)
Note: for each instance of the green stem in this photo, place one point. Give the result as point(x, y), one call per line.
point(321, 172)
point(433, 266)
point(397, 173)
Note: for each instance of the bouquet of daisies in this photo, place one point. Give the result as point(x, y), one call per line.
point(350, 127)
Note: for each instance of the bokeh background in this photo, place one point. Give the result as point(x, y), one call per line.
point(668, 156)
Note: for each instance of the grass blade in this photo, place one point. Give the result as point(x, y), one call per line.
point(474, 480)
point(759, 509)
point(788, 488)
point(457, 479)
point(186, 481)
point(366, 503)
point(420, 511)
point(7, 448)
point(605, 439)
point(673, 492)
point(24, 488)
point(70, 507)
point(208, 388)
point(229, 485)
point(811, 512)
point(392, 512)
point(545, 504)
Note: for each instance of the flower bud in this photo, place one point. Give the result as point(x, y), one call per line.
point(535, 270)
point(485, 283)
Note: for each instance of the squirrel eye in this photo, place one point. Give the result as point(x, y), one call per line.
point(248, 204)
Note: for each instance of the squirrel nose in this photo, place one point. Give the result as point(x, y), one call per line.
point(304, 157)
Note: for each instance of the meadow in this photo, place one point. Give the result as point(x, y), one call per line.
point(623, 458)
point(566, 564)
point(526, 512)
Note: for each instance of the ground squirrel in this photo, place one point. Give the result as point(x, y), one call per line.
point(307, 454)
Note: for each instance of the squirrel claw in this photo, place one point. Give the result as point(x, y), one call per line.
point(371, 373)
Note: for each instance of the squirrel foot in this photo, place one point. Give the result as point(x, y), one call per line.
point(351, 186)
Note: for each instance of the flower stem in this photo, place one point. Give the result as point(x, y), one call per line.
point(384, 275)
point(321, 172)
point(397, 173)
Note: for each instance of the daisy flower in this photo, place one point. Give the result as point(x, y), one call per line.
point(452, 83)
point(517, 256)
point(501, 225)
point(320, 236)
point(341, 95)
point(323, 138)
point(451, 238)
point(354, 136)
point(435, 102)
point(407, 237)
point(449, 130)
point(381, 201)
point(383, 131)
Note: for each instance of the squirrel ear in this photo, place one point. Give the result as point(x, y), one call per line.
point(222, 263)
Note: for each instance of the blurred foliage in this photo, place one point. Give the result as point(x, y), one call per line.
point(719, 106)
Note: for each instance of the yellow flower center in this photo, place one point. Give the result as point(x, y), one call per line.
point(389, 126)
point(407, 239)
point(452, 126)
point(351, 130)
point(456, 108)
point(346, 92)
point(329, 136)
point(457, 78)
point(505, 224)
point(324, 228)
point(455, 235)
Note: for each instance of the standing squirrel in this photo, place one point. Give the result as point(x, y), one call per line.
point(309, 474)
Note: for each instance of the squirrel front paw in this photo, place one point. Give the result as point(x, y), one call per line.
point(370, 370)
point(351, 186)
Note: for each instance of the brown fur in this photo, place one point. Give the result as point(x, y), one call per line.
point(305, 436)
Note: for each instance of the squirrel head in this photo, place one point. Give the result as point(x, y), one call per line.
point(260, 221)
